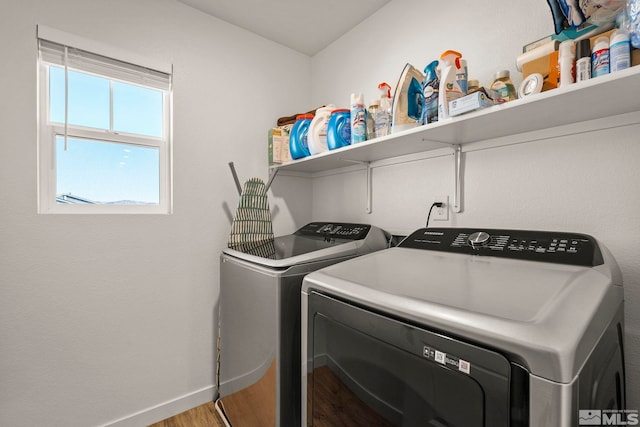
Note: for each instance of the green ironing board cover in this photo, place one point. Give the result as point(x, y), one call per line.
point(252, 227)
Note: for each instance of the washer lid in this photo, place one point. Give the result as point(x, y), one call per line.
point(315, 241)
point(540, 312)
point(293, 249)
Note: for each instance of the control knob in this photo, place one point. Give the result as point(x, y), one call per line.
point(479, 238)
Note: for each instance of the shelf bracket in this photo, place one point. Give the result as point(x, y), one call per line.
point(457, 159)
point(367, 165)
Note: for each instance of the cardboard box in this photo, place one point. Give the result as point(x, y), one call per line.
point(469, 103)
point(279, 145)
point(547, 66)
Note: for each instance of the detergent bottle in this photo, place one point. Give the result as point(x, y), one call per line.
point(430, 90)
point(339, 129)
point(382, 120)
point(358, 119)
point(453, 80)
point(317, 137)
point(298, 139)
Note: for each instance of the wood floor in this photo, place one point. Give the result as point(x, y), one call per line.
point(200, 416)
point(336, 405)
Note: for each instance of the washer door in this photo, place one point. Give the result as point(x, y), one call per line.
point(366, 369)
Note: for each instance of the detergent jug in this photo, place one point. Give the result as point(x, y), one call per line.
point(298, 144)
point(317, 136)
point(339, 129)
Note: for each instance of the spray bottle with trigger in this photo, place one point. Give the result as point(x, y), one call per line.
point(453, 81)
point(382, 119)
point(430, 90)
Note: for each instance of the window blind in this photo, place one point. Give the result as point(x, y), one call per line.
point(94, 62)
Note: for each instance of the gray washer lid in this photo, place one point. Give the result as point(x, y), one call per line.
point(548, 315)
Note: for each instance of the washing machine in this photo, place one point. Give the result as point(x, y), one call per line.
point(259, 336)
point(460, 327)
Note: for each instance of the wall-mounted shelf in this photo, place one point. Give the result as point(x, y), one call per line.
point(597, 98)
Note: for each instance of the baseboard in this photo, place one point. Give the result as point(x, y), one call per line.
point(166, 410)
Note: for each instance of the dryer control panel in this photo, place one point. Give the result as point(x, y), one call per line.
point(543, 246)
point(337, 230)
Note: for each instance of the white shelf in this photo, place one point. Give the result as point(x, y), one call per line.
point(597, 98)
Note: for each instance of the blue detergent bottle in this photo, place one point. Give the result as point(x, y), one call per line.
point(298, 145)
point(339, 129)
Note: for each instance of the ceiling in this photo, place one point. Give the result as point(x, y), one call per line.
point(307, 26)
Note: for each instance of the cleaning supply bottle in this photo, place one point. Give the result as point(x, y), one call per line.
point(633, 12)
point(473, 86)
point(566, 62)
point(298, 142)
point(619, 50)
point(583, 60)
point(453, 84)
point(358, 119)
point(317, 137)
point(382, 120)
point(430, 90)
point(503, 88)
point(372, 112)
point(339, 129)
point(600, 57)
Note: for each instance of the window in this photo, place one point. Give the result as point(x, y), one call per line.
point(104, 130)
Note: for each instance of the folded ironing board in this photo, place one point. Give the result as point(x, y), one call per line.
point(252, 227)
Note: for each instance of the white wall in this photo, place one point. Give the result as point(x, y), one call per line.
point(108, 317)
point(583, 182)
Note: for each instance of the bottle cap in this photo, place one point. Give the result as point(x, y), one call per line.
point(502, 74)
point(453, 53)
point(568, 48)
point(473, 83)
point(385, 88)
point(601, 43)
point(305, 116)
point(584, 49)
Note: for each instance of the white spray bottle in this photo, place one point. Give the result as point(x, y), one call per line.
point(453, 81)
point(383, 118)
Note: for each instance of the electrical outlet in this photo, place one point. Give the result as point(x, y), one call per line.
point(441, 213)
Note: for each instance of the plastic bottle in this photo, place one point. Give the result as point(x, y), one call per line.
point(583, 60)
point(633, 10)
point(372, 112)
point(358, 119)
point(317, 137)
point(430, 90)
point(298, 143)
point(339, 129)
point(619, 50)
point(382, 120)
point(453, 84)
point(473, 85)
point(566, 62)
point(503, 87)
point(600, 57)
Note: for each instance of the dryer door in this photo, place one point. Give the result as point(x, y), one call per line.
point(366, 369)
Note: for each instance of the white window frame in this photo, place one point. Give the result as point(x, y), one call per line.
point(48, 132)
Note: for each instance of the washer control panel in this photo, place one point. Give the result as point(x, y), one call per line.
point(544, 246)
point(336, 230)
